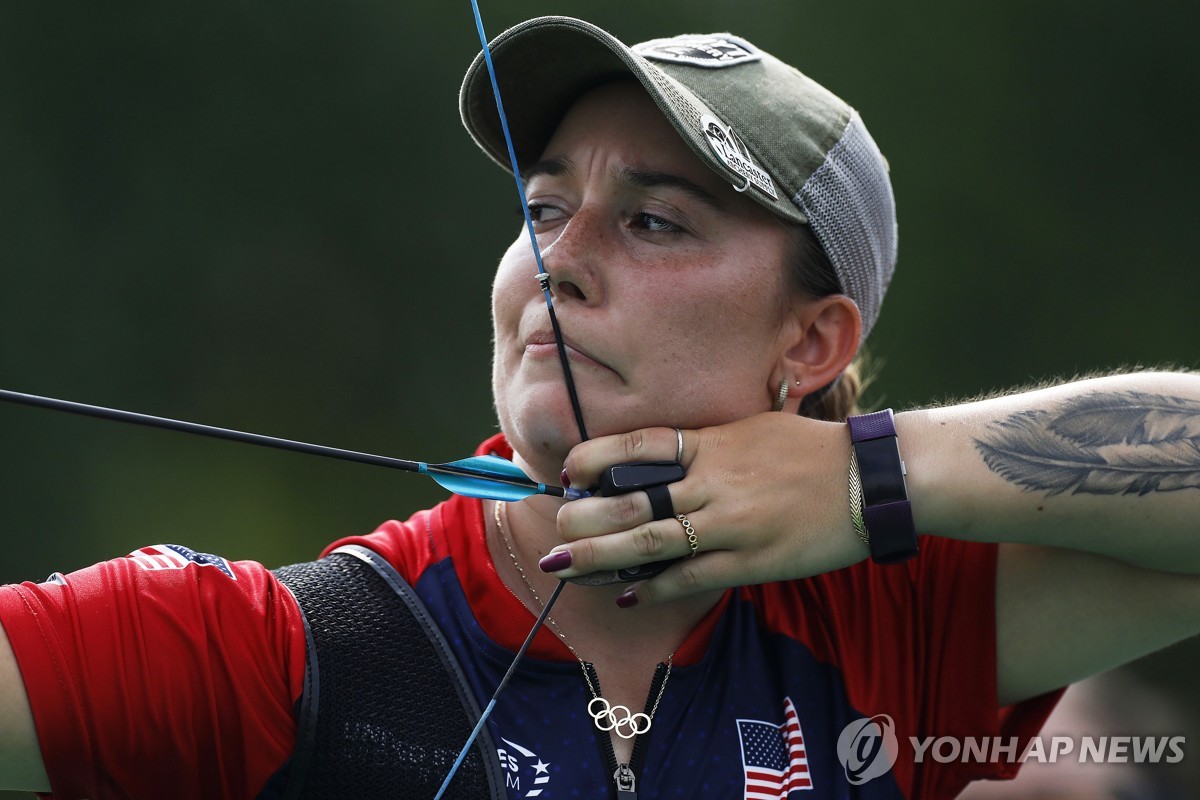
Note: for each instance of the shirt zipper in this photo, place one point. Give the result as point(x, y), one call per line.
point(625, 775)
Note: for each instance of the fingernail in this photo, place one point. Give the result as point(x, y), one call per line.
point(565, 479)
point(627, 600)
point(556, 561)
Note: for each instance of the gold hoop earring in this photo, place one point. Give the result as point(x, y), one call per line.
point(781, 398)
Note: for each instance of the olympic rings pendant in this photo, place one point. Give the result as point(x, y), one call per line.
point(618, 718)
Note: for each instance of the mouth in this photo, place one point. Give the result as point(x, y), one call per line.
point(541, 344)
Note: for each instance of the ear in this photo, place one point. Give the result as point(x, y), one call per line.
point(821, 339)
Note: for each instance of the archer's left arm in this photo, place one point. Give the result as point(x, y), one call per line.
point(1093, 488)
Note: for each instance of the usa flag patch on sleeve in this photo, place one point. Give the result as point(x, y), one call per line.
point(176, 556)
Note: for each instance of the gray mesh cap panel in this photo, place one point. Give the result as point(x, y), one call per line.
point(850, 207)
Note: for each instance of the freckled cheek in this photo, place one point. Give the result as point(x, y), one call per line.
point(662, 339)
point(694, 309)
point(714, 330)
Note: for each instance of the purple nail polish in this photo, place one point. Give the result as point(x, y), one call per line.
point(627, 600)
point(556, 561)
point(565, 479)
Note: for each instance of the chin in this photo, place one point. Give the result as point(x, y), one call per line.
point(540, 456)
point(541, 435)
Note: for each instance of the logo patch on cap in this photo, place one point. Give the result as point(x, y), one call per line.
point(733, 153)
point(710, 50)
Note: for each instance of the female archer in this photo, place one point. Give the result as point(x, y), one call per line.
point(713, 294)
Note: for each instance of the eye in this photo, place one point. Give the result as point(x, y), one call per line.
point(542, 213)
point(654, 223)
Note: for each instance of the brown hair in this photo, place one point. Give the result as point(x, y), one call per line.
point(810, 272)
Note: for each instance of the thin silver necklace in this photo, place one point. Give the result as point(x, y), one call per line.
point(607, 717)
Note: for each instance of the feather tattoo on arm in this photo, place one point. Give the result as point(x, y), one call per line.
point(1101, 443)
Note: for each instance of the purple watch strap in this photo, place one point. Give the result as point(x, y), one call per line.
point(891, 531)
point(872, 426)
point(887, 512)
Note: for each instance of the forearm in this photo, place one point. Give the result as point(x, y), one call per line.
point(1108, 465)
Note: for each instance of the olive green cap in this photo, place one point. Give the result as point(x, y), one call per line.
point(775, 134)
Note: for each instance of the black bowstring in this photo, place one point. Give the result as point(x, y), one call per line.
point(544, 280)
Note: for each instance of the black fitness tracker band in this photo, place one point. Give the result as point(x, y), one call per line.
point(887, 512)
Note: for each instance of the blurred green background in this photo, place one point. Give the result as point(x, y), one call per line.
point(266, 216)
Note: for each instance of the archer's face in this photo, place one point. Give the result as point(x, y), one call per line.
point(667, 284)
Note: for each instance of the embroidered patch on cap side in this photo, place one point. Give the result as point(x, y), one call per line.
point(709, 50)
point(733, 153)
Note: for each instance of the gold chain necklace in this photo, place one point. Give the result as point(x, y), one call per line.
point(607, 717)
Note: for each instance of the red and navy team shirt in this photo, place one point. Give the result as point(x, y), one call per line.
point(176, 672)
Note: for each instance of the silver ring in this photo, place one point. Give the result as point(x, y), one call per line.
point(678, 446)
point(693, 540)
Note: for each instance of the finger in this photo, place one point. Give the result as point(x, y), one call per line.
point(587, 460)
point(716, 570)
point(599, 516)
point(661, 540)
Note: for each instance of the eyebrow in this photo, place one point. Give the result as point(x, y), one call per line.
point(649, 178)
point(644, 178)
point(550, 167)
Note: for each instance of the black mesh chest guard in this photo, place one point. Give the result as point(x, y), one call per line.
point(385, 709)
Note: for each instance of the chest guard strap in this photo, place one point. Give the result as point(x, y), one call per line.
point(385, 708)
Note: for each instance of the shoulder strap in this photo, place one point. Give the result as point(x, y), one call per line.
point(394, 707)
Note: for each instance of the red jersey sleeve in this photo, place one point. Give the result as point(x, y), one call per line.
point(165, 673)
point(956, 664)
point(917, 642)
point(407, 546)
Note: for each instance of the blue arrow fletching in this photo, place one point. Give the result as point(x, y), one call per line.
point(492, 467)
point(482, 488)
point(487, 478)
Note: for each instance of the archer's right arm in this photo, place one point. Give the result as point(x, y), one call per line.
point(20, 759)
point(165, 673)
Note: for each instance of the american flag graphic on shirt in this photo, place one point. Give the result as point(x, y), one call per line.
point(773, 756)
point(176, 556)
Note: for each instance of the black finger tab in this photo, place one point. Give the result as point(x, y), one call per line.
point(660, 501)
point(652, 478)
point(625, 478)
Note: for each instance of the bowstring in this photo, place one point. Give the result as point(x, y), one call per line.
point(542, 275)
point(544, 280)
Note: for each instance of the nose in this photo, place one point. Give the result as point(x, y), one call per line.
point(575, 259)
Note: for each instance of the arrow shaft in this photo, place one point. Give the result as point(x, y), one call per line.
point(212, 431)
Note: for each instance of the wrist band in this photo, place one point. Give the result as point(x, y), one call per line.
point(887, 513)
